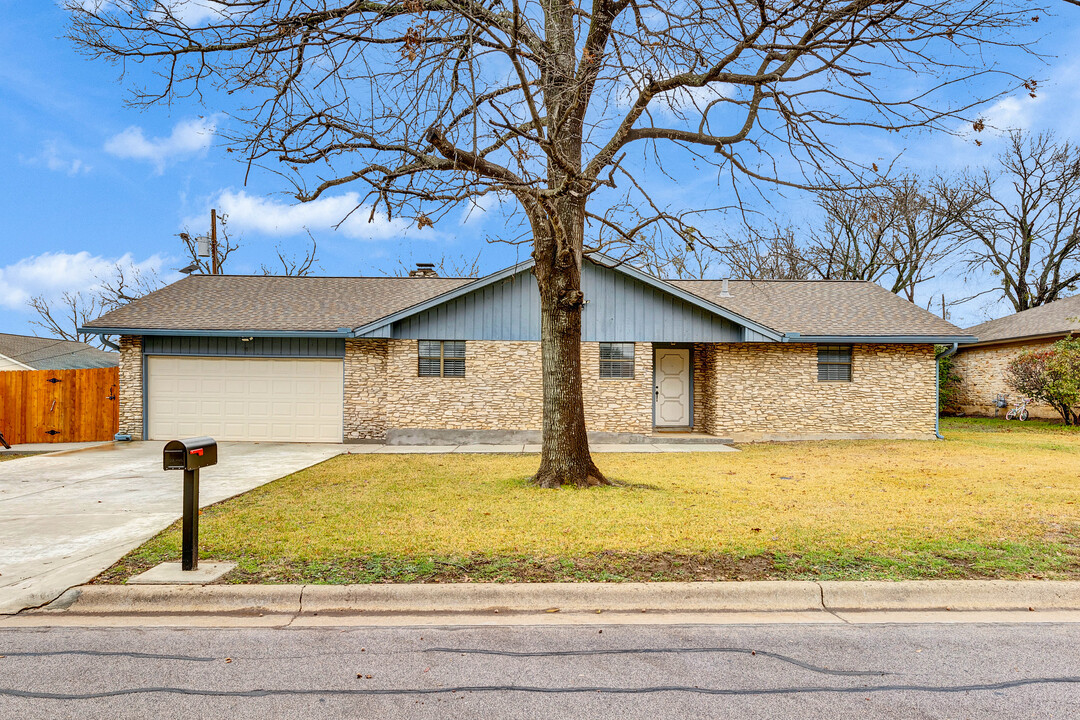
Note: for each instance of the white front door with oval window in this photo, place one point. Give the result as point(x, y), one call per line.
point(672, 394)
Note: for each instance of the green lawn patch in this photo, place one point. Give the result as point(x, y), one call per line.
point(993, 500)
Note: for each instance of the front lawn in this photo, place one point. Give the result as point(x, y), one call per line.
point(995, 499)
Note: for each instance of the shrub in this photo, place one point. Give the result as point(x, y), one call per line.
point(1051, 375)
point(948, 384)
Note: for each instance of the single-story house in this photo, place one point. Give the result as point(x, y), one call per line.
point(24, 352)
point(981, 365)
point(431, 359)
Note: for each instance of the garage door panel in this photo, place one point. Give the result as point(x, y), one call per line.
point(245, 399)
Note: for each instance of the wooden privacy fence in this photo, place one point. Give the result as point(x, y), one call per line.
point(40, 406)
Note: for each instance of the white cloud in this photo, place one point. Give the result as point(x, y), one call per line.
point(189, 12)
point(1016, 112)
point(188, 138)
point(248, 213)
point(53, 273)
point(58, 160)
point(476, 210)
point(194, 12)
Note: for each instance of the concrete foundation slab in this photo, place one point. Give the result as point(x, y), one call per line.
point(170, 573)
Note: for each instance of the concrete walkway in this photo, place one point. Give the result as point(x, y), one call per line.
point(651, 447)
point(65, 517)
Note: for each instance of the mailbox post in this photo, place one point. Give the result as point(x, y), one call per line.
point(190, 455)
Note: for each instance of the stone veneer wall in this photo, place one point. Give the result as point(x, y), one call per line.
point(501, 390)
point(365, 389)
point(131, 386)
point(704, 387)
point(762, 391)
point(982, 378)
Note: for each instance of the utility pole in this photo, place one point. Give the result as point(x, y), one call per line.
point(215, 266)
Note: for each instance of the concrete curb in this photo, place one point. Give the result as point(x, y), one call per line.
point(178, 599)
point(951, 595)
point(466, 598)
point(566, 597)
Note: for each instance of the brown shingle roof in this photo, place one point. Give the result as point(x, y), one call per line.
point(1060, 316)
point(244, 302)
point(823, 307)
point(54, 354)
point(319, 304)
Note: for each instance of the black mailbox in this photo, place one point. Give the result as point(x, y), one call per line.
point(189, 454)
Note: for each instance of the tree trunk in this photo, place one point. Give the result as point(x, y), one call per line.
point(564, 454)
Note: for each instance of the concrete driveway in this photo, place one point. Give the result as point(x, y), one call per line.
point(67, 516)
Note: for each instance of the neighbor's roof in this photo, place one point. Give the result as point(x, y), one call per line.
point(823, 308)
point(53, 354)
point(1056, 318)
point(274, 303)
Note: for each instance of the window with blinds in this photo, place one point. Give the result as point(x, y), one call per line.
point(442, 358)
point(834, 363)
point(616, 360)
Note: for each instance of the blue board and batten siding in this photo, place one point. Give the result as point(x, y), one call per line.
point(264, 347)
point(618, 308)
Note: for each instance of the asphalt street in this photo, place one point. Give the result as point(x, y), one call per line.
point(1029, 670)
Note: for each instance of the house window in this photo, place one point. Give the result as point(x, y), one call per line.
point(834, 363)
point(616, 360)
point(442, 358)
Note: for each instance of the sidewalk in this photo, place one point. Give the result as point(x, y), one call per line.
point(562, 603)
point(50, 447)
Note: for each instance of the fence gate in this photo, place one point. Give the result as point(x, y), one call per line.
point(40, 406)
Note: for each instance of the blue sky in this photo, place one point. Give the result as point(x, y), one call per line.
point(88, 182)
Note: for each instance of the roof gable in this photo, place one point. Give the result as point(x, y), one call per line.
point(622, 304)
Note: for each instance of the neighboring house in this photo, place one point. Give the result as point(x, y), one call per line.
point(981, 365)
point(22, 352)
point(445, 360)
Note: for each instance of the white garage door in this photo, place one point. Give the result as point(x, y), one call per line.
point(245, 399)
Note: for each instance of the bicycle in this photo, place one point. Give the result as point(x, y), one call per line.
point(1019, 411)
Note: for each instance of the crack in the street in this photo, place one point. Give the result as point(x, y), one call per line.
point(106, 653)
point(648, 651)
point(788, 690)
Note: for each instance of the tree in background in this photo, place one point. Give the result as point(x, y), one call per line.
point(1025, 225)
point(1051, 375)
point(567, 107)
point(948, 381)
point(62, 318)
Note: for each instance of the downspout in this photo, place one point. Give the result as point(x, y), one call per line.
point(109, 344)
point(937, 388)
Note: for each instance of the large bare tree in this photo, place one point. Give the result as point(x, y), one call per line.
point(1026, 227)
point(567, 107)
point(899, 234)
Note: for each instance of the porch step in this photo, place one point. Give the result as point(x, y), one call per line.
point(690, 438)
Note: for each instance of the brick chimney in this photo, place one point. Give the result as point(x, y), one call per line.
point(424, 270)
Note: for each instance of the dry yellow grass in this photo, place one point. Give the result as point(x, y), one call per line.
point(988, 486)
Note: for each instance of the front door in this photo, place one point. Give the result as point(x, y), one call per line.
point(672, 392)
